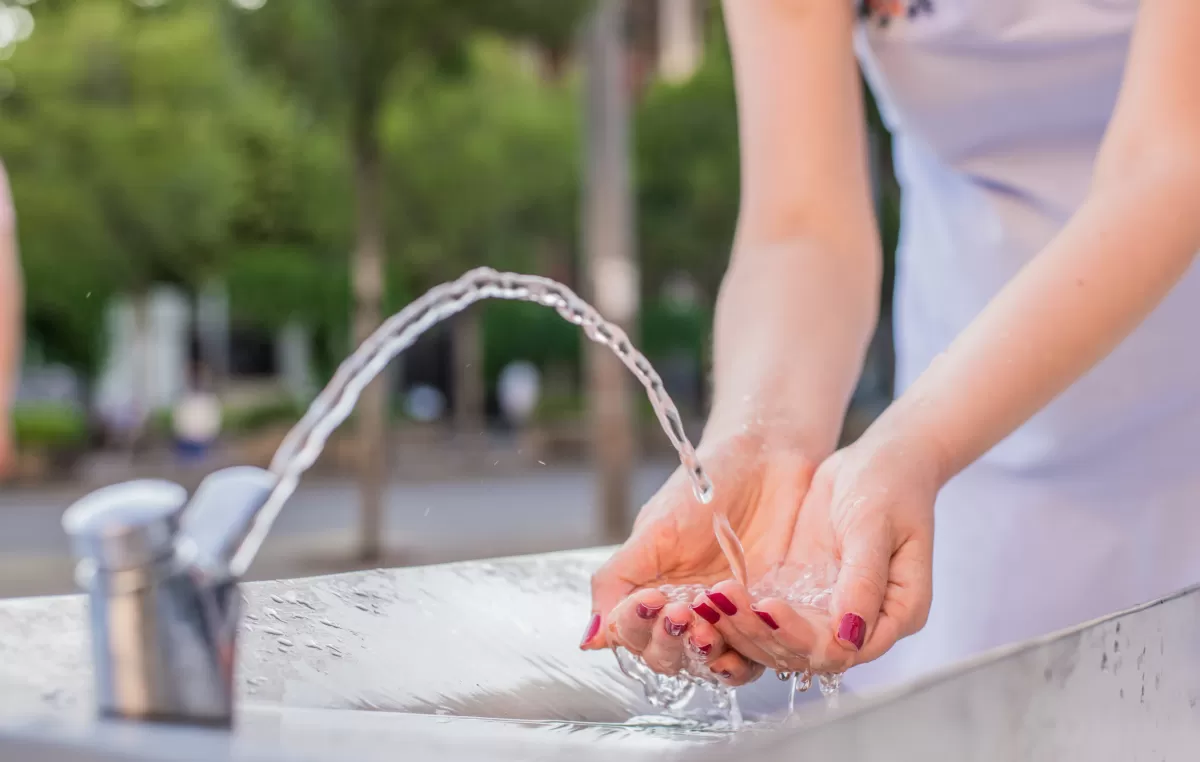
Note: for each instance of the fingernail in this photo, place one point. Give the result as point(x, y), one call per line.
point(725, 674)
point(592, 628)
point(674, 629)
point(767, 619)
point(702, 650)
point(706, 612)
point(853, 630)
point(723, 603)
point(647, 612)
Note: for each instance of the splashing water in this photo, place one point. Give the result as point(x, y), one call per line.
point(803, 587)
point(334, 404)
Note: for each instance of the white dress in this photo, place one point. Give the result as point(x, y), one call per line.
point(998, 108)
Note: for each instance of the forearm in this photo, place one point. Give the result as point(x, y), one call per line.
point(11, 301)
point(1111, 265)
point(792, 324)
point(799, 302)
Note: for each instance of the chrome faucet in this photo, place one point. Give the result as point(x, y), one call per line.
point(162, 591)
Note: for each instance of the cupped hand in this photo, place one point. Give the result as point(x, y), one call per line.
point(760, 481)
point(871, 506)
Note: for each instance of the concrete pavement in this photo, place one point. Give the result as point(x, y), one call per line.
point(544, 509)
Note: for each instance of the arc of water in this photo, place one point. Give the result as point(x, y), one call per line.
point(334, 404)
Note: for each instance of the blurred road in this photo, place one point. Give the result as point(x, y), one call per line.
point(546, 509)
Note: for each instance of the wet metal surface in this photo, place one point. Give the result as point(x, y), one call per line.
point(479, 660)
point(1125, 688)
point(398, 653)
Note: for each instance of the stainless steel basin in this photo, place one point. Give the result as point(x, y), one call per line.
point(478, 661)
point(480, 652)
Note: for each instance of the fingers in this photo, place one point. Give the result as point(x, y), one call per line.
point(633, 565)
point(665, 652)
point(731, 668)
point(753, 633)
point(862, 581)
point(632, 622)
point(907, 601)
point(703, 642)
point(806, 637)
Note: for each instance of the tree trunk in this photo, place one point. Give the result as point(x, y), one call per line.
point(142, 376)
point(469, 387)
point(368, 283)
point(608, 250)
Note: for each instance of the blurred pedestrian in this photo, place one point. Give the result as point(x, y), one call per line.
point(11, 322)
point(1046, 331)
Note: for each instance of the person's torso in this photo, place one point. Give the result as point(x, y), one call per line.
point(998, 110)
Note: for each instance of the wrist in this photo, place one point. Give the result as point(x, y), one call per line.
point(905, 424)
point(775, 428)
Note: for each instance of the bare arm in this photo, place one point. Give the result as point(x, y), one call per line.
point(800, 299)
point(1122, 252)
point(11, 300)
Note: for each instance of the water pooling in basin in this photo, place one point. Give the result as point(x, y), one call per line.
point(808, 589)
point(305, 442)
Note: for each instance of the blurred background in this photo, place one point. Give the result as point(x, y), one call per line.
point(217, 198)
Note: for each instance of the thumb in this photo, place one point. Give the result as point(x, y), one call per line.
point(632, 566)
point(862, 581)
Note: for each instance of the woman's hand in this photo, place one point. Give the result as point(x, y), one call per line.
point(760, 481)
point(871, 506)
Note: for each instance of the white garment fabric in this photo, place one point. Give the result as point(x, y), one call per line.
point(998, 109)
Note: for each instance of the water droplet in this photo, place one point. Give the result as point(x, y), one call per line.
point(272, 631)
point(328, 623)
point(313, 644)
point(362, 606)
point(285, 642)
point(277, 599)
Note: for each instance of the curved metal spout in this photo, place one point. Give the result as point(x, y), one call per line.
point(246, 530)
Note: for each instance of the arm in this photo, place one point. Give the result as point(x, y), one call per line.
point(11, 309)
point(800, 300)
point(1122, 252)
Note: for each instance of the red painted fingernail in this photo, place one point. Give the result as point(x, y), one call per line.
point(647, 612)
point(702, 650)
point(706, 612)
point(853, 630)
point(767, 619)
point(592, 628)
point(723, 603)
point(674, 629)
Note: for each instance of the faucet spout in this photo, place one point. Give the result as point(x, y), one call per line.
point(162, 631)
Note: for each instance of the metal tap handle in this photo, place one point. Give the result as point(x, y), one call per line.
point(162, 634)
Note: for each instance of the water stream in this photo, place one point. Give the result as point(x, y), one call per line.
point(304, 443)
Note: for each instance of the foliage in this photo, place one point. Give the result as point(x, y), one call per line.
point(121, 170)
point(687, 173)
point(283, 411)
point(48, 426)
point(482, 170)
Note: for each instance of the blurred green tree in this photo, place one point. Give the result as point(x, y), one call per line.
point(122, 172)
point(344, 59)
point(483, 171)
